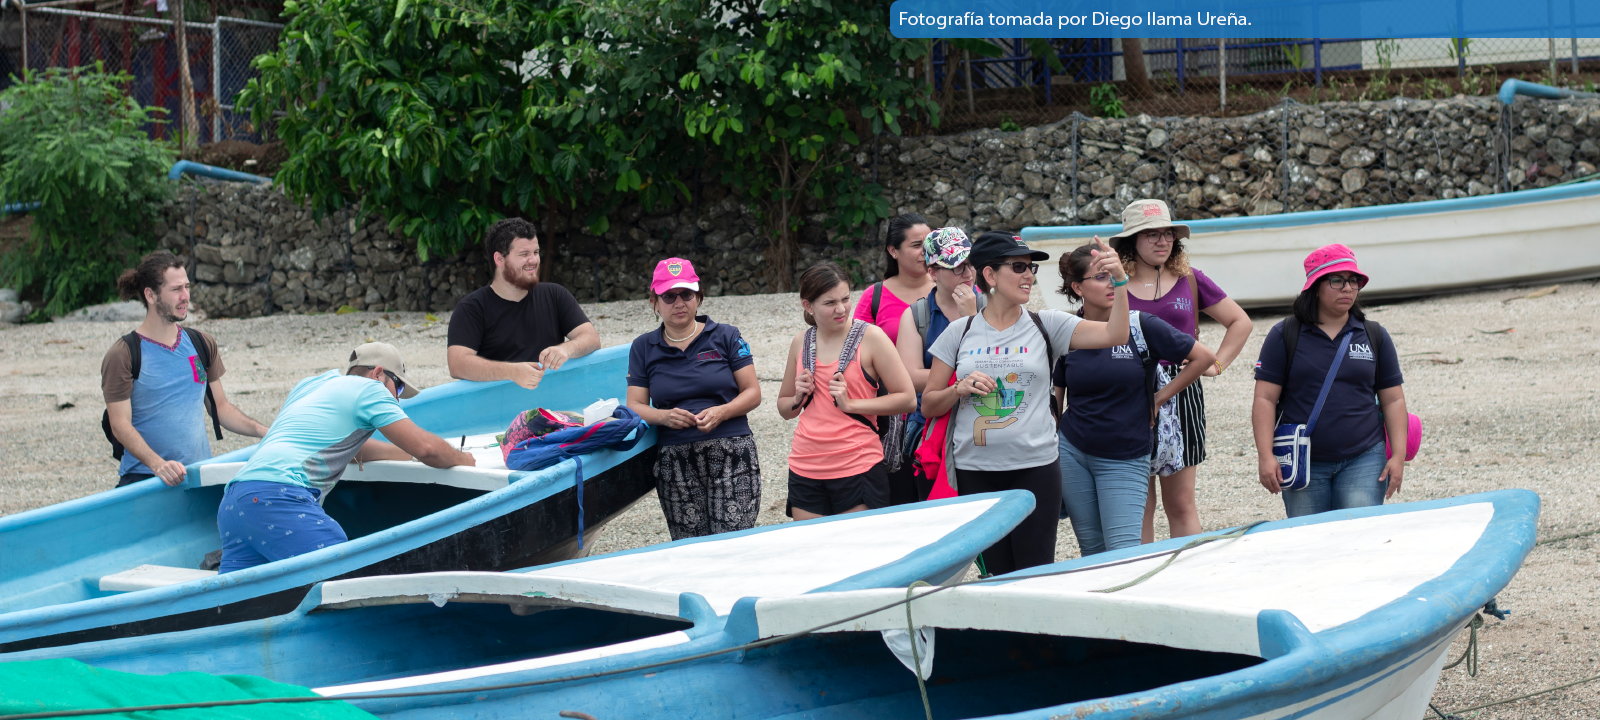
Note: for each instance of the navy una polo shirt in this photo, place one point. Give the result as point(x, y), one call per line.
point(1351, 421)
point(1108, 413)
point(694, 379)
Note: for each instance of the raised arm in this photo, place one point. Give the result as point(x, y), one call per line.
point(1091, 335)
point(1199, 360)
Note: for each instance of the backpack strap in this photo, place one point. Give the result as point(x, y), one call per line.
point(922, 316)
point(1050, 363)
point(135, 351)
point(1377, 336)
point(808, 361)
point(132, 341)
point(1194, 302)
point(1290, 336)
point(1136, 333)
point(847, 355)
point(203, 354)
point(877, 298)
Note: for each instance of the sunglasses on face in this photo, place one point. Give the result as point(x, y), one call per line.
point(671, 297)
point(399, 385)
point(1021, 266)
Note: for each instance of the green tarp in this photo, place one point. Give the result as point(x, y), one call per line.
point(45, 685)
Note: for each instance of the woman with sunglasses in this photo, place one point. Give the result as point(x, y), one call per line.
point(1348, 468)
point(695, 380)
point(944, 252)
point(1003, 434)
point(905, 278)
point(1107, 435)
point(1164, 285)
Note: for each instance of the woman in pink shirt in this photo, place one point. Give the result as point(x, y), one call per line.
point(836, 460)
point(905, 280)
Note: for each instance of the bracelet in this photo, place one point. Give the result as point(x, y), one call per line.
point(1217, 363)
point(1116, 284)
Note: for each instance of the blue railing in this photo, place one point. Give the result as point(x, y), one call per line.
point(179, 169)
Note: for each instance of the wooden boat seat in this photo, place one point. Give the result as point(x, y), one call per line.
point(146, 577)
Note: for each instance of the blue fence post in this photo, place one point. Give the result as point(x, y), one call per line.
point(1316, 58)
point(1048, 80)
point(1180, 65)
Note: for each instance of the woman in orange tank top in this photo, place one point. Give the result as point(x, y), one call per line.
point(836, 460)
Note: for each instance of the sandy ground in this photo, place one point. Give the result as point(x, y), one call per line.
point(1502, 410)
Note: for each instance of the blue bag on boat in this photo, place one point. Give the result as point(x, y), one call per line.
point(619, 432)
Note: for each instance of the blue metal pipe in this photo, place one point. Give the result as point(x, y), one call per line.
point(215, 173)
point(18, 207)
point(1510, 89)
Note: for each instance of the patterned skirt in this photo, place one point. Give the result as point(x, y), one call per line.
point(710, 486)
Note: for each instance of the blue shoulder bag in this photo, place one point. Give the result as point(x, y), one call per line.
point(1292, 443)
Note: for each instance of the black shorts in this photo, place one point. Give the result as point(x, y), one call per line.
point(836, 495)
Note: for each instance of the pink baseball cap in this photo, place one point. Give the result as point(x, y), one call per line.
point(674, 273)
point(1323, 260)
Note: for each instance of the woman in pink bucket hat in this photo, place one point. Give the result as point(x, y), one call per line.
point(1166, 286)
point(1330, 341)
point(695, 380)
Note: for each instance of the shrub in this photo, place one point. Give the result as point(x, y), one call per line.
point(1103, 98)
point(74, 141)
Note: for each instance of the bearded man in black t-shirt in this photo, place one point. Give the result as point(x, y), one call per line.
point(514, 328)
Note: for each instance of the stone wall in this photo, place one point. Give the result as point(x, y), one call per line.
point(257, 253)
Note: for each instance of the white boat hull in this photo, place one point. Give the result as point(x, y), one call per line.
point(1408, 250)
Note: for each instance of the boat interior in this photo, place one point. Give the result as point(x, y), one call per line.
point(95, 549)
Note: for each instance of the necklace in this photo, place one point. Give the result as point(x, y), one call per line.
point(682, 339)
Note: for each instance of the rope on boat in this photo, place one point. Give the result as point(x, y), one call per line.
point(916, 657)
point(1470, 655)
point(1454, 714)
point(777, 640)
point(1197, 542)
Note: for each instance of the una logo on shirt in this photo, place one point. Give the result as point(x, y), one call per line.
point(1359, 351)
point(709, 355)
point(1123, 352)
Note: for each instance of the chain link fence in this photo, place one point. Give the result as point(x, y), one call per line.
point(1012, 83)
point(220, 52)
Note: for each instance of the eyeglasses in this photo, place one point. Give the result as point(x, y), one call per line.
point(1019, 267)
point(1101, 278)
point(962, 269)
point(399, 385)
point(1164, 237)
point(1338, 282)
point(671, 297)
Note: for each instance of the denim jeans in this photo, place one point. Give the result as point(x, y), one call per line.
point(1340, 485)
point(1104, 498)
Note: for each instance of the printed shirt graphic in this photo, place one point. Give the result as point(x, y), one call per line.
point(692, 379)
point(322, 426)
point(1175, 307)
point(1010, 428)
point(168, 403)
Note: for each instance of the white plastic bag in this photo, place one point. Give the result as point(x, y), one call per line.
point(899, 642)
point(599, 410)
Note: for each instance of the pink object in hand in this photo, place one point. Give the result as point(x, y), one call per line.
point(1413, 438)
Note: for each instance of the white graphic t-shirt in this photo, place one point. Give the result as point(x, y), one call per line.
point(1010, 428)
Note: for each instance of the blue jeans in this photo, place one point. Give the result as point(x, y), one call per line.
point(1104, 498)
point(264, 521)
point(1340, 485)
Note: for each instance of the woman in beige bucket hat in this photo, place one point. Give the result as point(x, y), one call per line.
point(1163, 284)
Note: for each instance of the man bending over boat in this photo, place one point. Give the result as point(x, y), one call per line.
point(514, 327)
point(161, 380)
point(271, 509)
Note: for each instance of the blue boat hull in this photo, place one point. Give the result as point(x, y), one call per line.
point(53, 558)
point(1382, 664)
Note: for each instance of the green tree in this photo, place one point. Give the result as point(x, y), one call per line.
point(75, 142)
point(443, 116)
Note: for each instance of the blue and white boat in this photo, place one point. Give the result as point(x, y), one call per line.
point(1347, 614)
point(418, 631)
point(1544, 235)
point(127, 562)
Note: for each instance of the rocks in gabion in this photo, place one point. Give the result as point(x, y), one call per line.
point(255, 252)
point(125, 311)
point(12, 309)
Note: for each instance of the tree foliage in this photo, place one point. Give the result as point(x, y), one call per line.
point(74, 141)
point(444, 116)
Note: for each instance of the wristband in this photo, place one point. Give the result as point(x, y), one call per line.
point(1217, 363)
point(1116, 284)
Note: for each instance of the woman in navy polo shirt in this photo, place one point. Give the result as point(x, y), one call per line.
point(695, 380)
point(1105, 435)
point(1348, 468)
